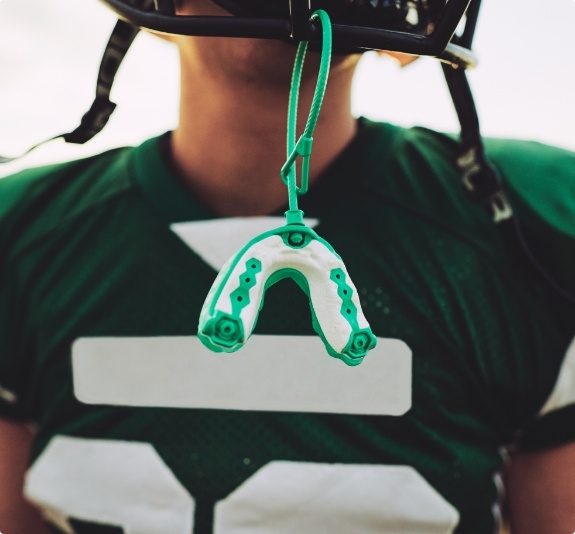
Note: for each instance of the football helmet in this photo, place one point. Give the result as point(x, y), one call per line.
point(419, 27)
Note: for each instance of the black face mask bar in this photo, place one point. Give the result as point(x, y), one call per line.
point(298, 27)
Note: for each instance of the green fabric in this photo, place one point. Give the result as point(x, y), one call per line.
point(86, 250)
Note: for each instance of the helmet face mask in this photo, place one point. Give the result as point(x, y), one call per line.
point(414, 16)
point(419, 27)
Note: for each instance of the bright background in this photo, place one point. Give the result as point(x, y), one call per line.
point(50, 51)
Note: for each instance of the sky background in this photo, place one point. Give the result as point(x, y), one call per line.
point(50, 51)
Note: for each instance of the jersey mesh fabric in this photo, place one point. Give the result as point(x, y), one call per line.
point(87, 251)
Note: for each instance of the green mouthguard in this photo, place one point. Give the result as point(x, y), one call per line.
point(230, 312)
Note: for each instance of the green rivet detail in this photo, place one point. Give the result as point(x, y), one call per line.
point(295, 239)
point(227, 329)
point(360, 343)
point(222, 333)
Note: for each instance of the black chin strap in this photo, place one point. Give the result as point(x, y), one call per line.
point(102, 107)
point(480, 177)
point(482, 180)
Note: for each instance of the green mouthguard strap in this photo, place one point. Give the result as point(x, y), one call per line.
point(303, 147)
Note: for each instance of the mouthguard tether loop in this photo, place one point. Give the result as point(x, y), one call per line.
point(294, 251)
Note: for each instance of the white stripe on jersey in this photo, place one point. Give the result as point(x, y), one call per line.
point(563, 393)
point(271, 373)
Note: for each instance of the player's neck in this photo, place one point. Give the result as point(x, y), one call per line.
point(230, 144)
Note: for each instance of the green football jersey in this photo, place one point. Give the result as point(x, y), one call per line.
point(105, 264)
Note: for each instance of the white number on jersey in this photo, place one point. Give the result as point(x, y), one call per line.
point(127, 484)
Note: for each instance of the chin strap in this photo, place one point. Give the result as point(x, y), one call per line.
point(294, 251)
point(482, 180)
point(102, 107)
point(479, 176)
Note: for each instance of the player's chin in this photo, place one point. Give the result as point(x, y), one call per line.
point(199, 7)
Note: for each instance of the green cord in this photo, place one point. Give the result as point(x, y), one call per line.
point(303, 147)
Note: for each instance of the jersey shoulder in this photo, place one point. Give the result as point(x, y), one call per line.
point(414, 168)
point(539, 177)
point(37, 200)
point(44, 213)
point(540, 182)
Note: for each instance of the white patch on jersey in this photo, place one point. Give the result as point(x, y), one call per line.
point(310, 498)
point(112, 482)
point(8, 396)
point(563, 393)
point(215, 241)
point(272, 373)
